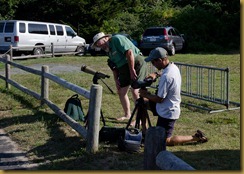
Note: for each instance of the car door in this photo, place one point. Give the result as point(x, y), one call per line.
point(53, 36)
point(71, 44)
point(2, 36)
point(60, 39)
point(7, 35)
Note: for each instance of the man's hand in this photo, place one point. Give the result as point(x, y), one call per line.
point(152, 76)
point(143, 93)
point(133, 75)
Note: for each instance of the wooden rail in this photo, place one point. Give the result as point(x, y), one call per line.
point(94, 96)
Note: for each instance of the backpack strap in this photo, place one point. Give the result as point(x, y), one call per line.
point(86, 119)
point(74, 96)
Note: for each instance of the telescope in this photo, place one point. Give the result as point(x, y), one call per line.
point(96, 75)
point(89, 70)
point(142, 84)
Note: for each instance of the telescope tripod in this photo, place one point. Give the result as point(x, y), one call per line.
point(95, 79)
point(141, 116)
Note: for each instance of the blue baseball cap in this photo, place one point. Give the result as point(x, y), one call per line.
point(157, 53)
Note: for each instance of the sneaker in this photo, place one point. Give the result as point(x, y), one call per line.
point(201, 136)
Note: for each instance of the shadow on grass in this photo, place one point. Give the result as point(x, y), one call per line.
point(200, 160)
point(220, 159)
point(68, 153)
point(58, 147)
point(62, 152)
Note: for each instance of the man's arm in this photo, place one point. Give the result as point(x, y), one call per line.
point(149, 96)
point(131, 63)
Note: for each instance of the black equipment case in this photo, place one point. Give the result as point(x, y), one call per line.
point(110, 134)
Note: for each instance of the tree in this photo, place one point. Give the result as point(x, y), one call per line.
point(207, 23)
point(7, 9)
point(123, 22)
point(212, 26)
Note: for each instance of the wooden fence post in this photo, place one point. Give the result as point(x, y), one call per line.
point(44, 84)
point(94, 118)
point(52, 49)
point(7, 72)
point(11, 52)
point(154, 143)
point(168, 161)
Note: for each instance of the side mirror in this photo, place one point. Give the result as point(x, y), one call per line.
point(74, 34)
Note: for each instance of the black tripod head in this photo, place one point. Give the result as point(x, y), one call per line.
point(96, 76)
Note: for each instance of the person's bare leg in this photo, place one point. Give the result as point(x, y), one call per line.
point(178, 140)
point(125, 102)
point(135, 94)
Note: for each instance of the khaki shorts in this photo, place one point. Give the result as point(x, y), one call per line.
point(141, 71)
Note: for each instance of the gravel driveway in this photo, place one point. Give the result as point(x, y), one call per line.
point(53, 68)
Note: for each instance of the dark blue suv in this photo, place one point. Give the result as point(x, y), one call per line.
point(167, 37)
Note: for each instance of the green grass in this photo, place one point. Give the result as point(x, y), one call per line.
point(51, 142)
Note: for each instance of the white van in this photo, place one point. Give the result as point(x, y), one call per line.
point(26, 34)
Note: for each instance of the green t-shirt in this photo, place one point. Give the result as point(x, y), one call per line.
point(118, 45)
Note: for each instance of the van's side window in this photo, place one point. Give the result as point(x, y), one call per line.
point(69, 31)
point(22, 27)
point(52, 30)
point(37, 28)
point(1, 27)
point(9, 28)
point(60, 31)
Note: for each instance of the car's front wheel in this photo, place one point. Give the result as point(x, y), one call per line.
point(80, 50)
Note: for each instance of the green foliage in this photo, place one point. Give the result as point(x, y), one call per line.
point(7, 9)
point(206, 31)
point(156, 14)
point(123, 22)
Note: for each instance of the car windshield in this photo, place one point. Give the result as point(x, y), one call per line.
point(154, 32)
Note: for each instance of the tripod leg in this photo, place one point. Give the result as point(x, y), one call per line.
point(138, 118)
point(143, 119)
point(107, 87)
point(103, 120)
point(142, 115)
point(148, 119)
point(131, 117)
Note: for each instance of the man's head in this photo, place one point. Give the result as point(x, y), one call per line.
point(158, 57)
point(100, 41)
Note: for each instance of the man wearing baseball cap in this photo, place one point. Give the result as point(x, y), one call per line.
point(168, 98)
point(127, 64)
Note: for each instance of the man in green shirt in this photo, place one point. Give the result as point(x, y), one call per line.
point(127, 64)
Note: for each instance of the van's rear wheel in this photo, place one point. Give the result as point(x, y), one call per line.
point(38, 51)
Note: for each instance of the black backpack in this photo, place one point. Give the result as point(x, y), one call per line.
point(74, 109)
